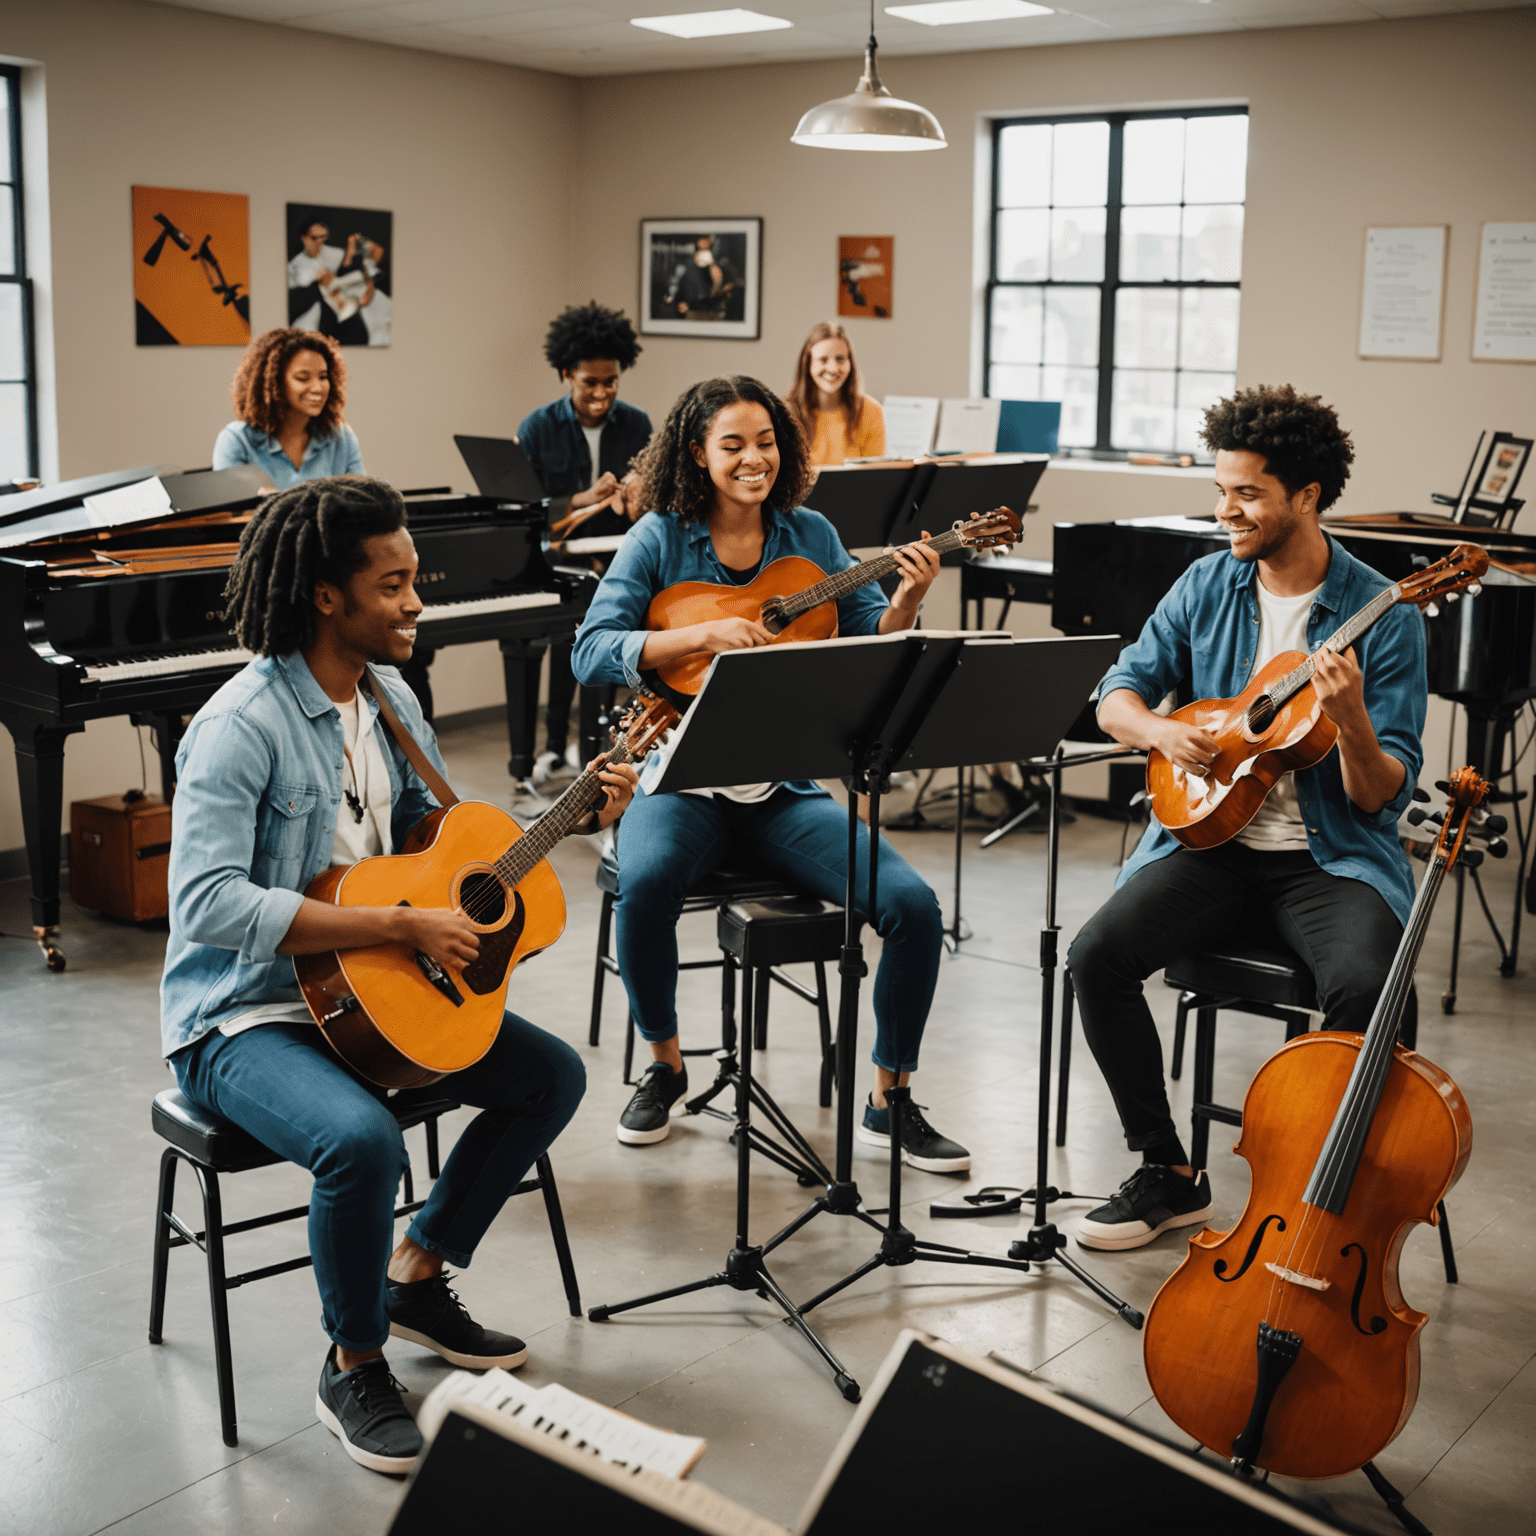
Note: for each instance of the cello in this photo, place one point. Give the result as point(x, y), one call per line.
point(1286, 1343)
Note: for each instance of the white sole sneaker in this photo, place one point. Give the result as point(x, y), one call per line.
point(922, 1164)
point(1092, 1234)
point(398, 1465)
point(454, 1357)
point(644, 1138)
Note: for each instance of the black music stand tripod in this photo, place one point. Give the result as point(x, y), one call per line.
point(909, 700)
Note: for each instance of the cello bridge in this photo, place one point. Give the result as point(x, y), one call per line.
point(1295, 1277)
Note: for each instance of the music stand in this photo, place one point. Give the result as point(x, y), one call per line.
point(862, 501)
point(872, 705)
point(947, 490)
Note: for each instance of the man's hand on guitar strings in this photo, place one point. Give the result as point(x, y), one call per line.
point(621, 781)
point(1339, 686)
point(730, 635)
point(446, 935)
point(1187, 747)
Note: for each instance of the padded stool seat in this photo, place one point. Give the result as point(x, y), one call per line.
point(717, 886)
point(1254, 971)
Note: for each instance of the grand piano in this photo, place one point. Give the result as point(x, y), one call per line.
point(101, 618)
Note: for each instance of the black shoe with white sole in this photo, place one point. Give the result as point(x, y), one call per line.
point(648, 1116)
point(427, 1312)
point(921, 1146)
point(1154, 1199)
point(364, 1410)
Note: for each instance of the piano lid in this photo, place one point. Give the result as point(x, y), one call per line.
point(27, 505)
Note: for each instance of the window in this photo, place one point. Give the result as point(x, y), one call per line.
point(18, 395)
point(1117, 245)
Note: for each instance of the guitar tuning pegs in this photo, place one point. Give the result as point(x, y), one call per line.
point(1421, 795)
point(1432, 610)
point(1497, 847)
point(1453, 597)
point(1442, 786)
point(1472, 857)
point(1474, 589)
point(1421, 562)
point(1494, 825)
point(1416, 817)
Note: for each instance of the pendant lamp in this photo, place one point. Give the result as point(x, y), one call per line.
point(870, 118)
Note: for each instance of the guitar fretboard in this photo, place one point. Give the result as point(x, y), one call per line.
point(584, 795)
point(1338, 642)
point(841, 583)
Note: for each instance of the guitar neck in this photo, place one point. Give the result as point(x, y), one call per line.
point(557, 822)
point(830, 588)
point(1338, 642)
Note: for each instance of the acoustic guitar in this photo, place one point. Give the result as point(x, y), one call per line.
point(394, 1014)
point(1276, 724)
point(794, 599)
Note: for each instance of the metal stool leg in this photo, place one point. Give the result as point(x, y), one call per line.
point(629, 1047)
point(164, 1203)
point(1064, 1069)
point(433, 1164)
point(1205, 1075)
point(600, 969)
point(727, 1002)
point(1180, 1024)
point(408, 1183)
point(824, 1023)
point(557, 1231)
point(218, 1296)
point(760, 1020)
point(1446, 1251)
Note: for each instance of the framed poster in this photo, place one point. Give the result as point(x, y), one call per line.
point(701, 277)
point(1504, 321)
point(191, 268)
point(866, 266)
point(1402, 291)
point(339, 277)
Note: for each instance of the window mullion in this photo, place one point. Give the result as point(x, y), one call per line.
point(1111, 284)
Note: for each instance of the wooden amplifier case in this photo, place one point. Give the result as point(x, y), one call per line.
point(119, 855)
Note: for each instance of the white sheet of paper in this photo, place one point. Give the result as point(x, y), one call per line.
point(968, 426)
point(909, 424)
point(141, 502)
point(1402, 291)
point(1504, 330)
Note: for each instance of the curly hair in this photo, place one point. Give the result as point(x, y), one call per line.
point(801, 398)
point(588, 330)
point(1300, 437)
point(260, 398)
point(675, 482)
point(313, 531)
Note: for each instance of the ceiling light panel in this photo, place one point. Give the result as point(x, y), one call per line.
point(952, 13)
point(711, 23)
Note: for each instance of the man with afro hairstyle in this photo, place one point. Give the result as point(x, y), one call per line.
point(1320, 862)
point(583, 446)
point(284, 772)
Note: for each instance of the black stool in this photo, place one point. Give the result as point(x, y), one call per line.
point(213, 1146)
point(714, 891)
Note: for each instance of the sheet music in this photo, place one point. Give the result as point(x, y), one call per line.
point(142, 502)
point(969, 426)
point(909, 424)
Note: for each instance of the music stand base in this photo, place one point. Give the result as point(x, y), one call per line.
point(1045, 1245)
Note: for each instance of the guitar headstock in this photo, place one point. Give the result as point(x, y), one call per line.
point(645, 722)
point(1461, 571)
point(1464, 819)
point(985, 530)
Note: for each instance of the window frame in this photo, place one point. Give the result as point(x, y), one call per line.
point(10, 82)
point(1110, 284)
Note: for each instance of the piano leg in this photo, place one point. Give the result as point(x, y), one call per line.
point(522, 661)
point(40, 778)
point(167, 729)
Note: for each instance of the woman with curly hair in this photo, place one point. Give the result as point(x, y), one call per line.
point(724, 479)
point(839, 420)
point(290, 392)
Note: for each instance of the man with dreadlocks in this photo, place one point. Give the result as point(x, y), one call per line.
point(1321, 860)
point(282, 773)
point(582, 446)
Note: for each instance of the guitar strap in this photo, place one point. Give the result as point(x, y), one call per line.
point(408, 744)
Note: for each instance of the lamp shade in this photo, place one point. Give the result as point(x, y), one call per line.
point(870, 118)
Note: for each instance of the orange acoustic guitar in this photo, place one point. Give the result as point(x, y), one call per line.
point(795, 599)
point(395, 1015)
point(1276, 724)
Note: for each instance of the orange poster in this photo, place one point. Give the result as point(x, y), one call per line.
point(191, 268)
point(864, 266)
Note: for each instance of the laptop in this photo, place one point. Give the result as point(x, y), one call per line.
point(500, 468)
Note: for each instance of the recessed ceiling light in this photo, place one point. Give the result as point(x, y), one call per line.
point(711, 23)
point(951, 13)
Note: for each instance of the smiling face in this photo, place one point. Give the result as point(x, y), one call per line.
point(1255, 508)
point(741, 455)
point(306, 385)
point(594, 387)
point(373, 618)
point(831, 363)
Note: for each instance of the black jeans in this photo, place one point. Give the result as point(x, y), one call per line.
point(562, 690)
point(1181, 905)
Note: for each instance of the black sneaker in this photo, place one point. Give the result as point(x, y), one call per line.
point(364, 1410)
point(647, 1116)
point(1154, 1199)
point(427, 1312)
point(921, 1145)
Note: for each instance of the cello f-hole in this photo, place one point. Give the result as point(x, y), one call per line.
point(1220, 1267)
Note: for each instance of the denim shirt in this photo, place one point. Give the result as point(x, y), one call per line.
point(338, 454)
point(662, 550)
point(1204, 633)
point(552, 438)
point(258, 789)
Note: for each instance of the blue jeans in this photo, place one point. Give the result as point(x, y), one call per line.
point(667, 843)
point(281, 1083)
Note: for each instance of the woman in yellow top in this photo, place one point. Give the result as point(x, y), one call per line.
point(839, 420)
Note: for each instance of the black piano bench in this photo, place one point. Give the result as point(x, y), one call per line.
point(714, 891)
point(760, 936)
point(213, 1146)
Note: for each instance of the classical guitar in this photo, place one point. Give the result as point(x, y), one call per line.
point(1286, 1343)
point(395, 1015)
point(793, 598)
point(1276, 724)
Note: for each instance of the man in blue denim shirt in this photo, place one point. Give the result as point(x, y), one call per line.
point(281, 774)
point(1320, 859)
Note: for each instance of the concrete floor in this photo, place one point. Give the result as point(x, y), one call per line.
point(99, 1430)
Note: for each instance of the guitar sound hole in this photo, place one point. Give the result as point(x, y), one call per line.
point(1261, 715)
point(483, 898)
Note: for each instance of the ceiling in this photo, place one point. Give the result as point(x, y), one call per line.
point(594, 37)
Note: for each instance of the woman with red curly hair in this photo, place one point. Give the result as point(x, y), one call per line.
point(290, 391)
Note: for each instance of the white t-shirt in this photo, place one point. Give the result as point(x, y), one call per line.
point(1277, 827)
point(594, 437)
point(365, 773)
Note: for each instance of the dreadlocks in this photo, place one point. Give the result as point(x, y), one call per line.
point(313, 531)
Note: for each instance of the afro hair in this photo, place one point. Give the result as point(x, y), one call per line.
point(1300, 437)
point(586, 331)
